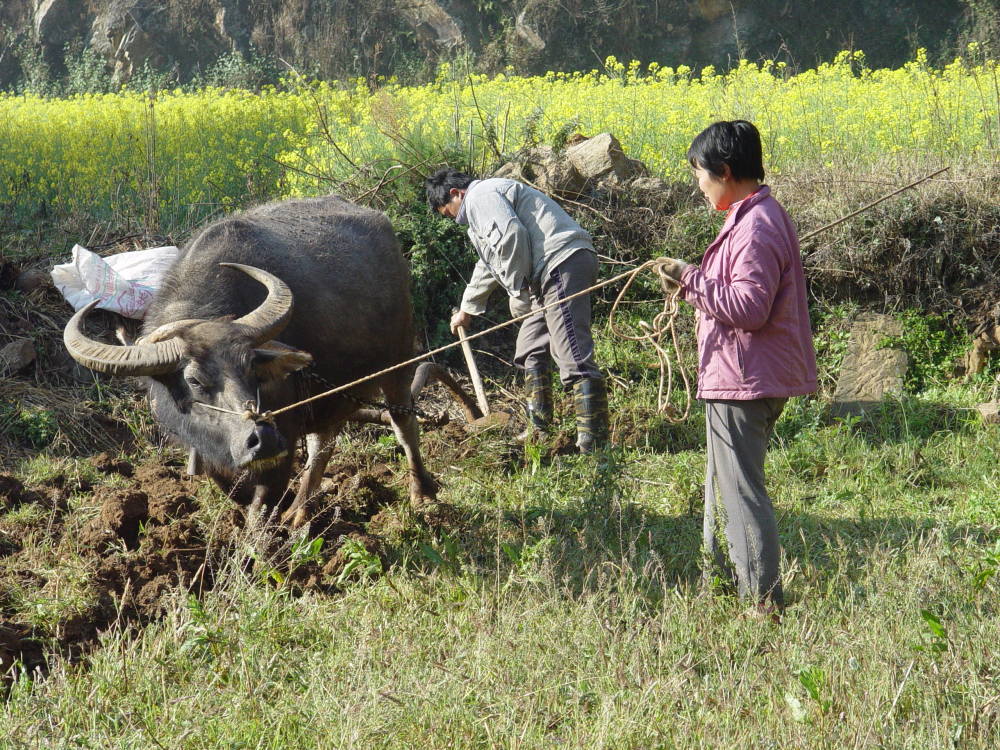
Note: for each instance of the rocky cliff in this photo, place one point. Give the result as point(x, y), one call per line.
point(337, 38)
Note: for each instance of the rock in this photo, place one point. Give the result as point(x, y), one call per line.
point(983, 346)
point(16, 356)
point(510, 170)
point(233, 24)
point(636, 168)
point(870, 371)
point(127, 34)
point(602, 156)
point(587, 163)
point(432, 24)
point(346, 39)
point(648, 185)
point(30, 280)
point(542, 168)
point(58, 21)
point(534, 163)
point(526, 33)
point(989, 412)
point(561, 178)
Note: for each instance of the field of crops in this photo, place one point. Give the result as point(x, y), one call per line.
point(546, 599)
point(176, 157)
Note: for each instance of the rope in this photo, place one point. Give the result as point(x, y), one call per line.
point(249, 412)
point(851, 215)
point(654, 333)
point(426, 355)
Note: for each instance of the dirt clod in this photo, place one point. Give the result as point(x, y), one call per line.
point(149, 543)
point(106, 464)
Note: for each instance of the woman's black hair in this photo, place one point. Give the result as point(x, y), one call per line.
point(736, 143)
point(440, 184)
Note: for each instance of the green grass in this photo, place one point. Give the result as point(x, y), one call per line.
point(563, 607)
point(565, 611)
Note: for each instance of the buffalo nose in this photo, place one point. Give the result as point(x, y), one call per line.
point(264, 442)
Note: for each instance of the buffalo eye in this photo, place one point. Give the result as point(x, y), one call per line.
point(196, 383)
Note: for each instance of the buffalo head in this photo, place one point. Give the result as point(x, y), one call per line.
point(207, 376)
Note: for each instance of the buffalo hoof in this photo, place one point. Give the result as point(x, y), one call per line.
point(423, 489)
point(295, 517)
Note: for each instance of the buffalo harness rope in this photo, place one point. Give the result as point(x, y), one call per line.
point(653, 333)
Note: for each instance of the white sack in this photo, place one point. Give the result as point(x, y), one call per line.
point(124, 283)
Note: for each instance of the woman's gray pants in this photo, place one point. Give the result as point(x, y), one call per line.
point(738, 433)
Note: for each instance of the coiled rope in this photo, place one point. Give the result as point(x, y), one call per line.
point(653, 334)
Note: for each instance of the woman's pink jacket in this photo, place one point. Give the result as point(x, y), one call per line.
point(754, 339)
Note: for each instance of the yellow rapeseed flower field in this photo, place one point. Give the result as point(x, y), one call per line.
point(116, 155)
point(185, 155)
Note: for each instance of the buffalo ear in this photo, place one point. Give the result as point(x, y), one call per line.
point(274, 360)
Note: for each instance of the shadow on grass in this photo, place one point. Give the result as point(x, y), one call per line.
point(902, 419)
point(600, 535)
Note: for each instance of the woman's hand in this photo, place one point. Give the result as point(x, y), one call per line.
point(673, 268)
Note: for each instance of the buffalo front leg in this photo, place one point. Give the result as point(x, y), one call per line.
point(404, 424)
point(320, 447)
point(256, 493)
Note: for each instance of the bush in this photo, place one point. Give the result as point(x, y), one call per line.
point(251, 71)
point(86, 71)
point(31, 425)
point(933, 347)
point(440, 257)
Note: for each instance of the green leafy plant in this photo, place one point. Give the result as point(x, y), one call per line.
point(832, 334)
point(440, 257)
point(251, 71)
point(447, 558)
point(935, 637)
point(988, 571)
point(305, 551)
point(932, 346)
point(561, 136)
point(86, 71)
point(33, 425)
point(814, 680)
point(361, 563)
point(36, 73)
point(526, 557)
point(202, 638)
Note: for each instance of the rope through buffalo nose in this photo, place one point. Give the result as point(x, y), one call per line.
point(252, 412)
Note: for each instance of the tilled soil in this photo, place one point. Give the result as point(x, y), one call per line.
point(143, 539)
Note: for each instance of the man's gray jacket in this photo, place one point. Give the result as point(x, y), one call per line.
point(519, 233)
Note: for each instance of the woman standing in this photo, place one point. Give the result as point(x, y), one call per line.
point(755, 350)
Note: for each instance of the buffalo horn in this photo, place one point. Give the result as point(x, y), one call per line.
point(273, 314)
point(139, 359)
point(168, 330)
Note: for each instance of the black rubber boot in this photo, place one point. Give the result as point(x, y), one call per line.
point(590, 398)
point(538, 403)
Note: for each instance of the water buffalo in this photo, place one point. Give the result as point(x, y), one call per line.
point(223, 332)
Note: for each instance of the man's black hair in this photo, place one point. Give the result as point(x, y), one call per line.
point(736, 143)
point(439, 185)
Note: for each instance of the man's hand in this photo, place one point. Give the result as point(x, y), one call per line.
point(459, 318)
point(672, 267)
